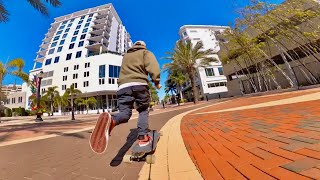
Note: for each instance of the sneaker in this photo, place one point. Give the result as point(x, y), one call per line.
point(144, 140)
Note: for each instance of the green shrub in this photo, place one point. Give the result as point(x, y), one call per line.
point(8, 112)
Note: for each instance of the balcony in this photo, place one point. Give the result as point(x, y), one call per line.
point(101, 20)
point(42, 52)
point(39, 59)
point(47, 39)
point(95, 46)
point(97, 31)
point(44, 45)
point(102, 14)
point(99, 26)
point(99, 38)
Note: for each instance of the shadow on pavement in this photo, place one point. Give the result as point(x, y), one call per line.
point(131, 138)
point(5, 137)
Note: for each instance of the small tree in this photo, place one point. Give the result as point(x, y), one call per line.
point(71, 93)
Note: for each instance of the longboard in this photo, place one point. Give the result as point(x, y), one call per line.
point(100, 135)
point(144, 153)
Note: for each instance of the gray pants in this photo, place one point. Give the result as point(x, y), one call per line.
point(126, 98)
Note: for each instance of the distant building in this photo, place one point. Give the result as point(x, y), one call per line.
point(14, 97)
point(211, 81)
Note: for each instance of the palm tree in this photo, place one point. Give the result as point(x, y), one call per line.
point(37, 4)
point(51, 93)
point(61, 101)
point(178, 78)
point(188, 58)
point(87, 102)
point(13, 67)
point(72, 92)
point(43, 102)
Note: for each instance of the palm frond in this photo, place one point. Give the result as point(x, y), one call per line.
point(16, 63)
point(38, 5)
point(24, 76)
point(54, 3)
point(4, 14)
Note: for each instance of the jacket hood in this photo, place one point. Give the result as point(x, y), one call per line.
point(136, 48)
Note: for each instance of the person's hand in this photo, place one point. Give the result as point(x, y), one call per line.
point(158, 86)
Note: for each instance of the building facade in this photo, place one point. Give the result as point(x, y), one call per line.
point(84, 48)
point(211, 80)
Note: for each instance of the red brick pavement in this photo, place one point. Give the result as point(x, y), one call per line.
point(280, 142)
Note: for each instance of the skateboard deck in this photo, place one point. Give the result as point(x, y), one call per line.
point(100, 137)
point(144, 153)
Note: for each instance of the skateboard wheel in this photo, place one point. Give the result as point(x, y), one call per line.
point(160, 133)
point(127, 159)
point(151, 159)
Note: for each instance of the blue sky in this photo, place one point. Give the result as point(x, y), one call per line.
point(155, 22)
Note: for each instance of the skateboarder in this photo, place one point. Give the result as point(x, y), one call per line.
point(137, 64)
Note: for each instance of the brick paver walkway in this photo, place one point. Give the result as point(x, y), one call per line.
point(279, 142)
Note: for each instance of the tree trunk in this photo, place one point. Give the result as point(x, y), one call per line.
point(193, 85)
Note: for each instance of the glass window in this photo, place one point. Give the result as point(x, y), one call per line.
point(78, 27)
point(71, 21)
point(87, 25)
point(220, 70)
point(67, 30)
point(76, 32)
point(75, 85)
point(71, 46)
point(89, 20)
point(56, 38)
point(82, 17)
point(114, 71)
point(56, 59)
point(209, 72)
point(64, 22)
point(64, 87)
point(76, 67)
point(69, 56)
point(102, 71)
point(59, 49)
point(54, 44)
point(48, 61)
point(90, 15)
point(61, 42)
point(59, 32)
point(85, 30)
point(74, 39)
point(78, 54)
point(69, 25)
point(51, 51)
point(83, 36)
point(66, 69)
point(81, 43)
point(62, 27)
point(80, 22)
point(64, 36)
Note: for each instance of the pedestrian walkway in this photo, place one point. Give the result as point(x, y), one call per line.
point(267, 137)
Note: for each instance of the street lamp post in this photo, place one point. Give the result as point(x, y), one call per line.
point(39, 76)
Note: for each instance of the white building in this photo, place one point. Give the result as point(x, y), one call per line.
point(211, 81)
point(84, 48)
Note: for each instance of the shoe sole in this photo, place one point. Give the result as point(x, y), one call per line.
point(99, 138)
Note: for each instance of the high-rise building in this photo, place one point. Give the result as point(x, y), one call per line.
point(211, 81)
point(84, 48)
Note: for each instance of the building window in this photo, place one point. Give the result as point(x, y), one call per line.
point(76, 67)
point(64, 78)
point(64, 87)
point(102, 71)
point(71, 46)
point(75, 85)
point(90, 15)
point(87, 65)
point(83, 36)
point(78, 27)
point(62, 42)
point(67, 30)
point(69, 25)
point(13, 100)
point(101, 81)
point(114, 71)
point(185, 33)
point(64, 22)
point(59, 32)
point(48, 61)
point(220, 71)
point(64, 36)
point(76, 32)
point(111, 81)
point(80, 22)
point(82, 18)
point(71, 21)
point(218, 84)
point(193, 31)
point(87, 25)
point(85, 30)
point(78, 54)
point(69, 56)
point(54, 44)
point(66, 69)
point(56, 38)
point(75, 76)
point(89, 19)
point(59, 49)
point(85, 83)
point(62, 27)
point(51, 51)
point(20, 100)
point(86, 74)
point(56, 59)
point(74, 39)
point(81, 43)
point(209, 72)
